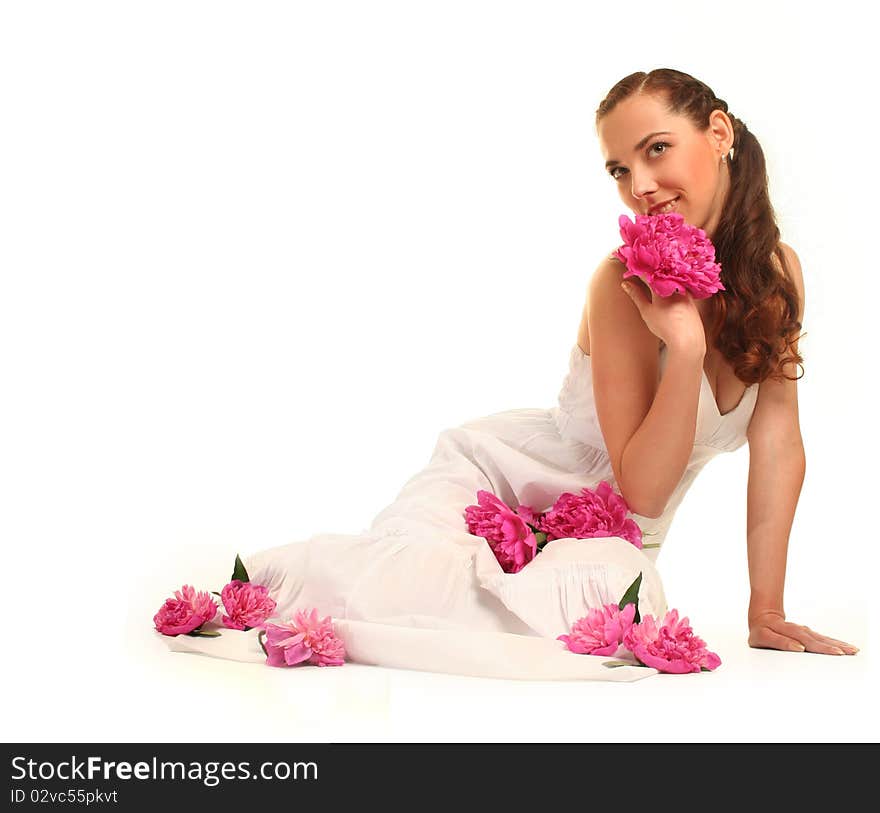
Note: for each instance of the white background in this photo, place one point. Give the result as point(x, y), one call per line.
point(255, 256)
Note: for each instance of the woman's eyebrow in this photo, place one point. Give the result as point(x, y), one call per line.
point(641, 144)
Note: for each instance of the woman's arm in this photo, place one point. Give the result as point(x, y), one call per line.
point(657, 454)
point(777, 463)
point(648, 427)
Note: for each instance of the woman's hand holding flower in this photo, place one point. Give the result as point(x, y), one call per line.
point(672, 263)
point(674, 319)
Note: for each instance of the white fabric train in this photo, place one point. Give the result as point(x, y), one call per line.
point(415, 590)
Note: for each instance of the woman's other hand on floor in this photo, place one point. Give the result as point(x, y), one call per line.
point(770, 630)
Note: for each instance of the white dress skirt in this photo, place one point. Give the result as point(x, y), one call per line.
point(416, 590)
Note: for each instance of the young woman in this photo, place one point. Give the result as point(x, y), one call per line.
point(667, 137)
point(656, 387)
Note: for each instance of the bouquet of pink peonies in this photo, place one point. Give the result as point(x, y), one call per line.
point(304, 639)
point(616, 629)
point(669, 255)
point(516, 537)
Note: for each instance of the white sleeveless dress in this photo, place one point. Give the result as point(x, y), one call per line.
point(415, 590)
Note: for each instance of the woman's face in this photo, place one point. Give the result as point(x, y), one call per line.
point(682, 162)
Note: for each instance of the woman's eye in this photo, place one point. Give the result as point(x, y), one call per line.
point(655, 144)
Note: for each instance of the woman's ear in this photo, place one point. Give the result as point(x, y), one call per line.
point(720, 131)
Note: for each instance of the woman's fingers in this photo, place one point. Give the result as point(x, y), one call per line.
point(809, 639)
point(635, 293)
point(836, 647)
point(848, 648)
point(841, 644)
point(814, 642)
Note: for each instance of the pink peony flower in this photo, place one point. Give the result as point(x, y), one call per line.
point(185, 612)
point(304, 638)
point(511, 539)
point(529, 514)
point(670, 255)
point(590, 514)
point(672, 647)
point(248, 604)
point(601, 631)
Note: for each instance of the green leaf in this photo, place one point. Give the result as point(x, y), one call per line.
point(200, 633)
point(631, 596)
point(239, 571)
point(615, 664)
point(541, 539)
point(217, 594)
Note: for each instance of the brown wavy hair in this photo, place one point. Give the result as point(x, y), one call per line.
point(754, 322)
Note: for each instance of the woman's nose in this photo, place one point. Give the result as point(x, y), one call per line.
point(642, 184)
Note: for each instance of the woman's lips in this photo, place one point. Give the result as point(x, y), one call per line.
point(659, 206)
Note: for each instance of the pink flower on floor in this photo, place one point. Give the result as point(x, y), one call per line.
point(511, 539)
point(669, 255)
point(185, 612)
point(671, 647)
point(601, 631)
point(305, 638)
point(590, 514)
point(247, 604)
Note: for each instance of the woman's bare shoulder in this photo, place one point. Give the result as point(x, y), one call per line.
point(610, 263)
point(608, 272)
point(612, 257)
